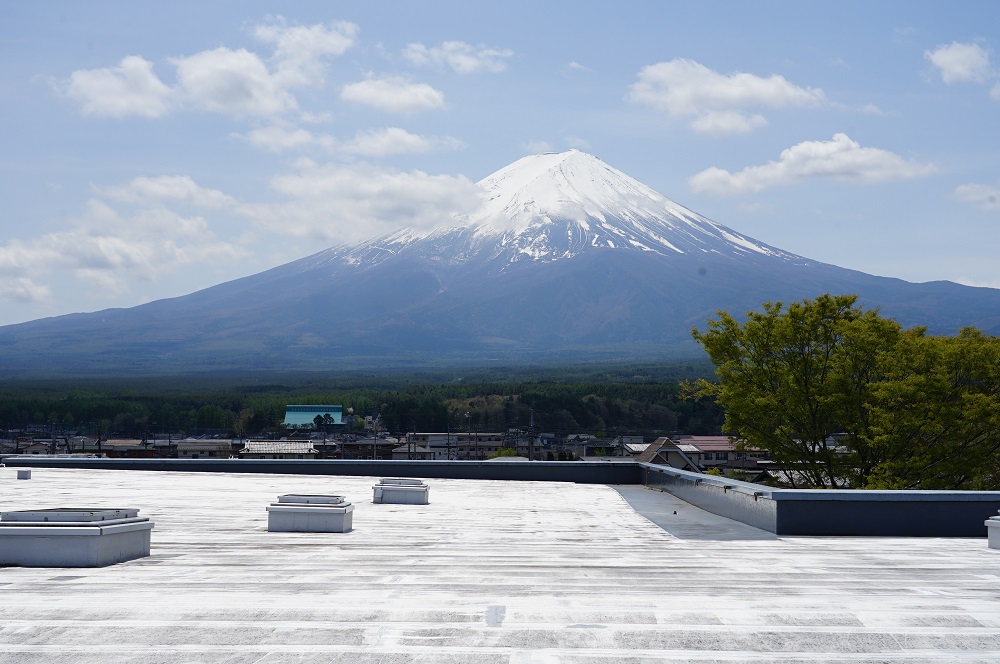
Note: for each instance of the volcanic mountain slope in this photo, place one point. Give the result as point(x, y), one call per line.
point(566, 259)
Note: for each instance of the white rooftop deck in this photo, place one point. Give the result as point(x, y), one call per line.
point(489, 572)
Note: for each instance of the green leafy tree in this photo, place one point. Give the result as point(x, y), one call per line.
point(910, 410)
point(789, 378)
point(938, 414)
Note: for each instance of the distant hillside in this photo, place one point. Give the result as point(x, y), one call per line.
point(568, 260)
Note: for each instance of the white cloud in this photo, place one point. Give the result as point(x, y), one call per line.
point(719, 103)
point(23, 289)
point(371, 143)
point(167, 189)
point(232, 82)
point(299, 50)
point(131, 88)
point(279, 137)
point(577, 142)
point(961, 63)
point(393, 140)
point(315, 118)
point(235, 82)
point(573, 65)
point(536, 147)
point(335, 202)
point(393, 94)
point(727, 122)
point(985, 196)
point(461, 57)
point(111, 250)
point(840, 158)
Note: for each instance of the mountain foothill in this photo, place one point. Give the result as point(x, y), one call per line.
point(566, 260)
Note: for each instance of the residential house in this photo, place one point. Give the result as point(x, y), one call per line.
point(204, 448)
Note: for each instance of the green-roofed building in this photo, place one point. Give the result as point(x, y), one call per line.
point(304, 417)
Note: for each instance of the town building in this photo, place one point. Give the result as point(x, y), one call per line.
point(304, 416)
point(204, 448)
point(278, 449)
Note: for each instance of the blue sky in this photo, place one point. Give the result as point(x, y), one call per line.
point(152, 149)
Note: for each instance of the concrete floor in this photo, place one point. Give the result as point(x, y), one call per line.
point(489, 572)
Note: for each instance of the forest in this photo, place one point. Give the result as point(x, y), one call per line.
point(599, 399)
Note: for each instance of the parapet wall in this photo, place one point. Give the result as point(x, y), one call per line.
point(741, 501)
point(839, 512)
point(581, 472)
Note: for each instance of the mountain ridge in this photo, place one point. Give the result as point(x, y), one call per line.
point(567, 259)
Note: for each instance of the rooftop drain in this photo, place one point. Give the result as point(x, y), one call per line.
point(73, 537)
point(395, 491)
point(309, 513)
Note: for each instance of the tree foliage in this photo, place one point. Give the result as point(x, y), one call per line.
point(608, 403)
point(841, 396)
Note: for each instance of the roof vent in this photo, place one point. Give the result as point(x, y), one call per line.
point(73, 537)
point(306, 513)
point(24, 474)
point(993, 532)
point(398, 491)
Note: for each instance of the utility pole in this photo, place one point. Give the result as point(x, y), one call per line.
point(468, 434)
point(531, 437)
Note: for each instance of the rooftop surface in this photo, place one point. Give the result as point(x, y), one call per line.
point(489, 572)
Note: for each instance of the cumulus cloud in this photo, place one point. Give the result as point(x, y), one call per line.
point(23, 289)
point(840, 158)
point(718, 103)
point(727, 122)
point(279, 138)
point(461, 57)
point(112, 250)
point(333, 202)
point(300, 50)
point(961, 63)
point(371, 143)
point(232, 82)
point(394, 140)
point(393, 94)
point(985, 196)
point(236, 82)
point(131, 88)
point(167, 189)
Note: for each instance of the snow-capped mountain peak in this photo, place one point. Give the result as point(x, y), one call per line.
point(555, 206)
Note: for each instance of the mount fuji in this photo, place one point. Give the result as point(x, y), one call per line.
point(566, 259)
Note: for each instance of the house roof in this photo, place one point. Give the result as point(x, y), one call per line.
point(278, 447)
point(124, 442)
point(489, 571)
point(305, 415)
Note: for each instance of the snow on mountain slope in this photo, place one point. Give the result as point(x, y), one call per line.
point(555, 206)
